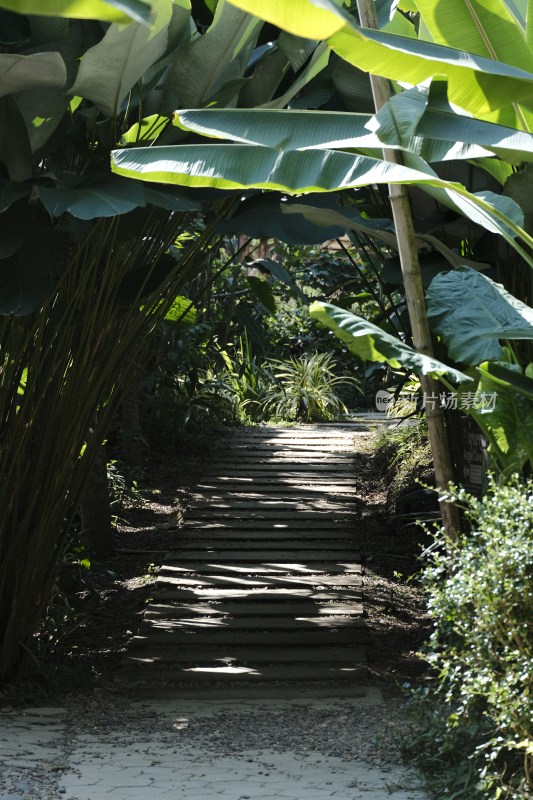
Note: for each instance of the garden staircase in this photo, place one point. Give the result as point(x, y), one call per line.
point(264, 583)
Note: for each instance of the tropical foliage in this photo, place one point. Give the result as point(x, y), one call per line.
point(462, 94)
point(474, 317)
point(113, 254)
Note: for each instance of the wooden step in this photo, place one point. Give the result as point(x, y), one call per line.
point(265, 524)
point(222, 535)
point(272, 471)
point(295, 608)
point(265, 557)
point(253, 629)
point(257, 582)
point(172, 637)
point(287, 568)
point(255, 505)
point(254, 626)
point(284, 515)
point(273, 491)
point(212, 656)
point(153, 635)
point(264, 583)
point(255, 595)
point(214, 675)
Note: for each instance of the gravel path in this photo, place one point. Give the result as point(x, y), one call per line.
point(107, 746)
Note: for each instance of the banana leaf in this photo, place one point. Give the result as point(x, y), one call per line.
point(121, 11)
point(478, 84)
point(370, 343)
point(411, 120)
point(203, 66)
point(223, 166)
point(109, 70)
point(488, 29)
point(18, 72)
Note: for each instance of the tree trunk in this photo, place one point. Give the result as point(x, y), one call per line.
point(95, 510)
point(414, 293)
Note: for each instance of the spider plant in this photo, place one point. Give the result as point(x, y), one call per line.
point(307, 388)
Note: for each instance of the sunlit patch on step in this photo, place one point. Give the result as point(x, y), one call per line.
point(228, 670)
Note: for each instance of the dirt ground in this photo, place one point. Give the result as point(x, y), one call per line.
point(109, 598)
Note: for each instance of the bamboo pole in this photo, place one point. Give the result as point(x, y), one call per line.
point(414, 293)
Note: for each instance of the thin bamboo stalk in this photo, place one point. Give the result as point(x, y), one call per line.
point(77, 362)
point(414, 293)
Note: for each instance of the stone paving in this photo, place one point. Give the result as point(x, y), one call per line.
point(196, 749)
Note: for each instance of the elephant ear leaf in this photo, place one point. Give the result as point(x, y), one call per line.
point(370, 343)
point(471, 313)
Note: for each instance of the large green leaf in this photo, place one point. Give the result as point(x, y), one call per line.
point(267, 76)
point(42, 111)
point(519, 186)
point(317, 63)
point(438, 134)
point(507, 421)
point(396, 121)
point(182, 311)
point(243, 167)
point(370, 343)
point(15, 148)
point(418, 119)
point(281, 129)
point(147, 130)
point(99, 196)
point(476, 84)
point(508, 376)
point(207, 63)
point(353, 86)
point(297, 49)
point(312, 19)
point(487, 28)
point(263, 293)
point(18, 73)
point(502, 140)
point(263, 217)
point(110, 69)
point(170, 199)
point(471, 314)
point(121, 11)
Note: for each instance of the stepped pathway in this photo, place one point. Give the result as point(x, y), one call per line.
point(264, 583)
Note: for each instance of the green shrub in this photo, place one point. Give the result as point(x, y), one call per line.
point(306, 389)
point(481, 600)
